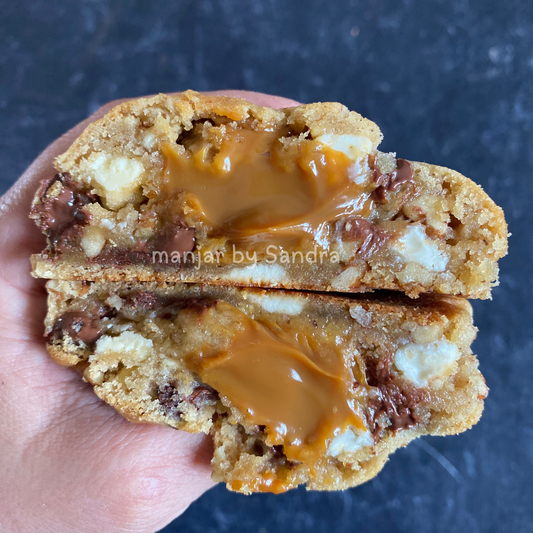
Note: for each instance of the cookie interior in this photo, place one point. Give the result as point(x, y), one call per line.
point(295, 388)
point(214, 189)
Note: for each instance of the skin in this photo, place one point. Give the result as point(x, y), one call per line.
point(68, 461)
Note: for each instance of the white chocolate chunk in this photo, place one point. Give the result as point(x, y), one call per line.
point(350, 441)
point(114, 173)
point(286, 304)
point(258, 273)
point(420, 363)
point(108, 224)
point(149, 141)
point(416, 247)
point(359, 171)
point(114, 300)
point(93, 241)
point(130, 346)
point(118, 177)
point(361, 315)
point(354, 146)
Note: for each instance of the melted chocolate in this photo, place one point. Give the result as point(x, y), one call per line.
point(391, 182)
point(398, 403)
point(145, 300)
point(170, 398)
point(372, 238)
point(60, 217)
point(175, 238)
point(166, 306)
point(79, 325)
point(202, 394)
point(121, 257)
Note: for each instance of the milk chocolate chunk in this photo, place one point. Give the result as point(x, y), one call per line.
point(396, 402)
point(144, 300)
point(120, 257)
point(169, 397)
point(202, 393)
point(404, 173)
point(165, 306)
point(175, 238)
point(368, 234)
point(79, 325)
point(60, 206)
point(392, 182)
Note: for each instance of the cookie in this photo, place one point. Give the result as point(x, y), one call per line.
point(295, 388)
point(217, 190)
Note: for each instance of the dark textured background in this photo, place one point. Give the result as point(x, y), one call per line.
point(449, 82)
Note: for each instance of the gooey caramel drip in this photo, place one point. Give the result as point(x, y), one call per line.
point(253, 184)
point(301, 397)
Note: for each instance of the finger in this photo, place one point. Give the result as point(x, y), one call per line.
point(140, 477)
point(172, 469)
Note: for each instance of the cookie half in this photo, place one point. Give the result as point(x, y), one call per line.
point(295, 388)
point(217, 190)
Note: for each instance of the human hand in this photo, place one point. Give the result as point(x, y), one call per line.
point(68, 461)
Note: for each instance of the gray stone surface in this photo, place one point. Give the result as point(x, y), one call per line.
point(448, 81)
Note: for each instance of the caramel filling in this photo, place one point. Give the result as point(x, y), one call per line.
point(247, 182)
point(302, 398)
